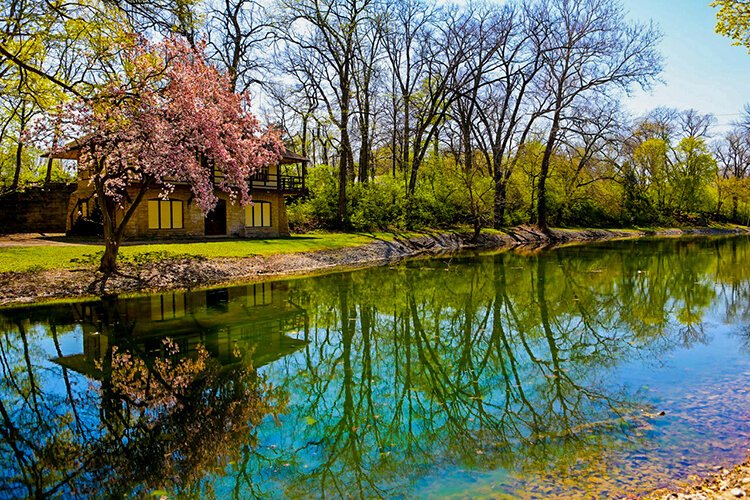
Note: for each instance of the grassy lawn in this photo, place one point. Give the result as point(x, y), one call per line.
point(37, 258)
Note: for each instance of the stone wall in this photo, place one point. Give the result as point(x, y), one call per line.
point(41, 209)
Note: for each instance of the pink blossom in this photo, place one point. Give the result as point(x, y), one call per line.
point(166, 118)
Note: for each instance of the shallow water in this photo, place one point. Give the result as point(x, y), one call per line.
point(598, 370)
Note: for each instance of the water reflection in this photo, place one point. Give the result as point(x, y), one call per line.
point(500, 374)
point(177, 395)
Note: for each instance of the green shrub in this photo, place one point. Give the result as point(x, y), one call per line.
point(318, 210)
point(379, 204)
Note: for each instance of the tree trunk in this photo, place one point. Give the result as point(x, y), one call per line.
point(19, 148)
point(413, 178)
point(17, 173)
point(477, 229)
point(501, 188)
point(48, 176)
point(541, 207)
point(364, 131)
point(305, 119)
point(394, 137)
point(341, 209)
point(108, 264)
point(466, 140)
point(364, 154)
point(405, 143)
point(324, 145)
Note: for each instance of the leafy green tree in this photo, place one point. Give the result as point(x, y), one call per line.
point(650, 162)
point(694, 170)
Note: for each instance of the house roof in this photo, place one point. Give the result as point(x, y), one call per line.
point(289, 157)
point(71, 150)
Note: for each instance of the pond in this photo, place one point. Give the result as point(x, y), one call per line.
point(605, 369)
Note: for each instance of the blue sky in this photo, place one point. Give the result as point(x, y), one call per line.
point(702, 70)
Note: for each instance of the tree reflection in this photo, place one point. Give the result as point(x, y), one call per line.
point(179, 420)
point(140, 423)
point(503, 363)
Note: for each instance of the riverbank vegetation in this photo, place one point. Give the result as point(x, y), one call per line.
point(657, 172)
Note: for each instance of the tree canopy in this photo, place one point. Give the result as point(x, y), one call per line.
point(733, 20)
point(165, 117)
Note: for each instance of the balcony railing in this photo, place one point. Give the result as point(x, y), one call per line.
point(292, 184)
point(285, 183)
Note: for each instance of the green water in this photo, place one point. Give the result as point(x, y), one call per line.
point(599, 370)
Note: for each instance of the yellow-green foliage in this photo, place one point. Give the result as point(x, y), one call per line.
point(733, 20)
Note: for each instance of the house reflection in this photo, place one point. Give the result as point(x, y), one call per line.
point(254, 324)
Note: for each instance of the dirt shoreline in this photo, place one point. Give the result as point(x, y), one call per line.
point(18, 288)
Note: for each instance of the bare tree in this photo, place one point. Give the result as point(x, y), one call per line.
point(327, 31)
point(694, 124)
point(589, 140)
point(425, 47)
point(590, 49)
point(367, 74)
point(238, 32)
point(507, 106)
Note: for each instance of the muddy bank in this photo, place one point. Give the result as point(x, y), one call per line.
point(193, 272)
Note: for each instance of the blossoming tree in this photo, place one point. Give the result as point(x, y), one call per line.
point(164, 119)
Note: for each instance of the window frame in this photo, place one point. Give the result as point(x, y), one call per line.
point(160, 209)
point(83, 208)
point(260, 203)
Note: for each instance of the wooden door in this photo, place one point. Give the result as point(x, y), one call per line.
point(216, 220)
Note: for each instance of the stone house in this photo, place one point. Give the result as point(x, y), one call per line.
point(180, 217)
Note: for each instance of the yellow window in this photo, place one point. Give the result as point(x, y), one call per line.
point(157, 307)
point(267, 294)
point(165, 214)
point(153, 214)
point(176, 214)
point(259, 295)
point(258, 214)
point(179, 305)
point(167, 306)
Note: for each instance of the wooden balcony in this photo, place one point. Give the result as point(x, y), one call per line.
point(291, 184)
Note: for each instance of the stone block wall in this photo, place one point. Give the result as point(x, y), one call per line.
point(42, 209)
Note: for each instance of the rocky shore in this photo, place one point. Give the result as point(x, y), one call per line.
point(193, 272)
point(724, 483)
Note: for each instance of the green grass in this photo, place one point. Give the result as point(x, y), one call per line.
point(38, 258)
